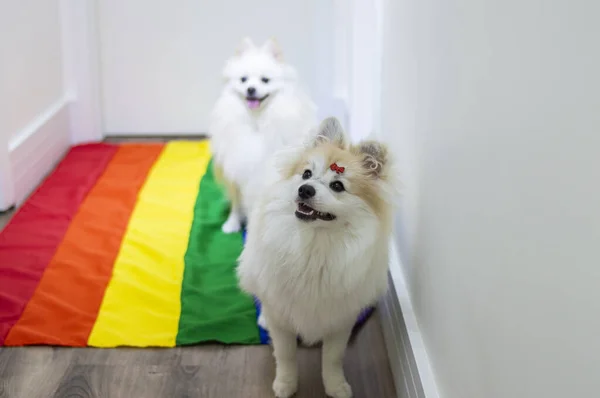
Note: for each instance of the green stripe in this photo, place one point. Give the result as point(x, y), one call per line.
point(212, 306)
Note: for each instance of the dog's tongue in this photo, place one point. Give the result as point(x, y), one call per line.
point(253, 103)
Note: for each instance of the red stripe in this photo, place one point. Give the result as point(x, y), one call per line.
point(65, 305)
point(30, 240)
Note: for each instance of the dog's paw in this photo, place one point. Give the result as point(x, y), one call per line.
point(284, 388)
point(232, 225)
point(338, 390)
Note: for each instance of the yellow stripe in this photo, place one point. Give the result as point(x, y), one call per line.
point(141, 306)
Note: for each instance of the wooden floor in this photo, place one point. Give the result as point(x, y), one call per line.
point(201, 371)
point(205, 371)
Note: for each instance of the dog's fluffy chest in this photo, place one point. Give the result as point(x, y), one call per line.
point(313, 289)
point(310, 297)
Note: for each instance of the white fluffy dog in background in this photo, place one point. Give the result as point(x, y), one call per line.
point(261, 109)
point(317, 249)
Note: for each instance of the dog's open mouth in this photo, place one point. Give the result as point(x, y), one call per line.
point(307, 213)
point(254, 102)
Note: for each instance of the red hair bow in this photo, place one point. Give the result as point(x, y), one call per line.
point(337, 168)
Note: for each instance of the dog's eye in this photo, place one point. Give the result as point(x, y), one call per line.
point(307, 174)
point(337, 186)
point(243, 79)
point(265, 80)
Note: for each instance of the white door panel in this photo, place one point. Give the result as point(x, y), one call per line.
point(161, 60)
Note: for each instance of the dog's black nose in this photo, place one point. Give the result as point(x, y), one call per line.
point(306, 191)
point(251, 91)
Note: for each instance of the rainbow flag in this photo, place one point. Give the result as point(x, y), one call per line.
point(122, 246)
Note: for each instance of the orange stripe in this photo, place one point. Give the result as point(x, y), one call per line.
point(65, 305)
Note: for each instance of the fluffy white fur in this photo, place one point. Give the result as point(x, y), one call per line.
point(243, 134)
point(314, 278)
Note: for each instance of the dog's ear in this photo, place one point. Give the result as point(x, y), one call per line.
point(375, 156)
point(272, 47)
point(329, 131)
point(244, 46)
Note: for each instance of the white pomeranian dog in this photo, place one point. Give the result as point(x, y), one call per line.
point(260, 110)
point(317, 249)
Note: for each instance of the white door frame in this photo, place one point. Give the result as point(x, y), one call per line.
point(81, 65)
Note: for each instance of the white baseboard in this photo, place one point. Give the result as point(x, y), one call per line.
point(38, 147)
point(409, 362)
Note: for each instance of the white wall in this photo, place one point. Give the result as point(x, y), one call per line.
point(34, 127)
point(161, 61)
point(493, 108)
point(31, 61)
